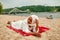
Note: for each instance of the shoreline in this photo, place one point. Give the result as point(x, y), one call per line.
point(40, 14)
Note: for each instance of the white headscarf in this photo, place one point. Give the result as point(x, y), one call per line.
point(34, 17)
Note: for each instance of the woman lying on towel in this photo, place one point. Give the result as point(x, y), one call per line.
point(29, 26)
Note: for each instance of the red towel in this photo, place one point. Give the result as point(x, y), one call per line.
point(41, 29)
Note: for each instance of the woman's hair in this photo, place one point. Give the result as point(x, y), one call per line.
point(29, 20)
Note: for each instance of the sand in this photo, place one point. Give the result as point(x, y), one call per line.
point(7, 34)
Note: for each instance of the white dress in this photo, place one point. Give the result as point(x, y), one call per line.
point(22, 24)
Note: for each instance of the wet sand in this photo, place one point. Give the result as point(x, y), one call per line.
point(7, 34)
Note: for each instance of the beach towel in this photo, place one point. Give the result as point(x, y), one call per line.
point(41, 30)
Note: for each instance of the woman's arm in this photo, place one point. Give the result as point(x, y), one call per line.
point(35, 34)
point(37, 25)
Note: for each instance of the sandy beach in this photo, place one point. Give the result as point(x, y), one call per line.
point(7, 34)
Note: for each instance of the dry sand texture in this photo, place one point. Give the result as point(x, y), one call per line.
point(7, 34)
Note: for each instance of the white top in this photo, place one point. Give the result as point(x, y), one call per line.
point(22, 24)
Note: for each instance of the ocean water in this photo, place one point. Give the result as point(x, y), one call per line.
point(40, 14)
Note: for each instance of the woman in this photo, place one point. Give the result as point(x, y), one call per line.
point(29, 25)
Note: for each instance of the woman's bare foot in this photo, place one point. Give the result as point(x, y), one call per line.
point(9, 22)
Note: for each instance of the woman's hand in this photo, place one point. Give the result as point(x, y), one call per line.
point(36, 34)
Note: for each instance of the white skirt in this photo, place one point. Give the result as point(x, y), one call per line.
point(21, 24)
point(16, 24)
